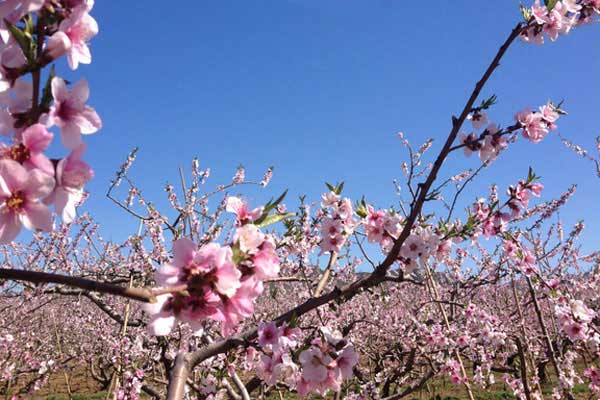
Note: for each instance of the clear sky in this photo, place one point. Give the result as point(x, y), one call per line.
point(319, 90)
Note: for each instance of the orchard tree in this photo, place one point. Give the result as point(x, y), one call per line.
point(227, 299)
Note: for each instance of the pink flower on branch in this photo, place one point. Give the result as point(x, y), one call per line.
point(79, 28)
point(21, 195)
point(240, 209)
point(72, 173)
point(71, 114)
point(29, 152)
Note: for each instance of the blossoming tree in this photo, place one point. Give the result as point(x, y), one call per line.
point(231, 301)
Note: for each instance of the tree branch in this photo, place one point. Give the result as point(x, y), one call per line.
point(140, 294)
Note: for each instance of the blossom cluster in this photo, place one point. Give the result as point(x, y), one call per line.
point(558, 19)
point(574, 318)
point(488, 144)
point(337, 222)
point(30, 181)
point(132, 385)
point(276, 363)
point(534, 126)
point(384, 226)
point(491, 220)
point(593, 375)
point(214, 281)
point(322, 366)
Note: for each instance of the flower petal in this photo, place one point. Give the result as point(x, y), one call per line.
point(10, 226)
point(15, 176)
point(59, 90)
point(37, 216)
point(38, 185)
point(37, 138)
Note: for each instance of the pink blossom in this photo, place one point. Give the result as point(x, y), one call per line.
point(549, 115)
point(593, 375)
point(211, 263)
point(553, 25)
point(162, 319)
point(346, 360)
point(478, 119)
point(21, 192)
point(528, 261)
point(240, 305)
point(20, 102)
point(286, 370)
point(216, 261)
point(375, 233)
point(493, 144)
point(329, 199)
point(536, 189)
point(539, 12)
point(332, 243)
point(72, 173)
point(71, 113)
point(463, 340)
point(470, 143)
point(29, 153)
point(534, 126)
point(575, 331)
point(249, 237)
point(58, 44)
point(196, 308)
point(14, 10)
point(289, 336)
point(533, 34)
point(413, 247)
point(331, 337)
point(7, 122)
point(343, 210)
point(79, 27)
point(581, 312)
point(268, 335)
point(11, 56)
point(314, 365)
point(266, 261)
point(571, 6)
point(332, 227)
point(240, 209)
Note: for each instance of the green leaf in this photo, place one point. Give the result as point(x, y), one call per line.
point(273, 219)
point(47, 92)
point(361, 212)
point(337, 189)
point(531, 176)
point(268, 207)
point(24, 40)
point(550, 4)
point(525, 11)
point(237, 254)
point(487, 103)
point(293, 321)
point(279, 199)
point(29, 25)
point(558, 108)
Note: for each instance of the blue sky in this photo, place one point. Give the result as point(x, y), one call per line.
point(319, 90)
